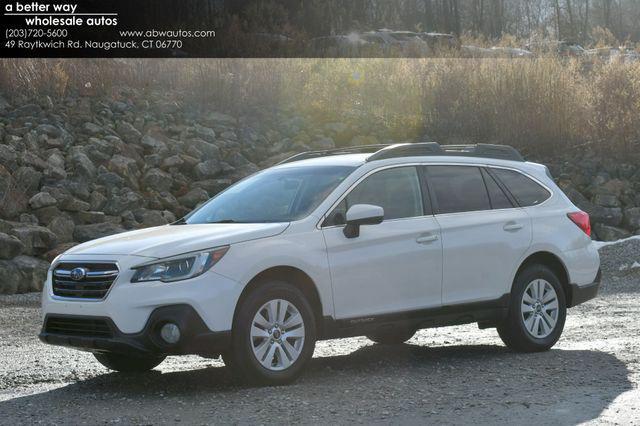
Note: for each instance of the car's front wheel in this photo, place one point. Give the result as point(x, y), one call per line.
point(128, 364)
point(273, 336)
point(537, 311)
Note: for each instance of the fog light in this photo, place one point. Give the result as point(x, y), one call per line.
point(170, 333)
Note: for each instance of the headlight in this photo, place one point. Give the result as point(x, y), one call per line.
point(180, 267)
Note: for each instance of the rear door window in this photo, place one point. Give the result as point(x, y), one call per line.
point(498, 198)
point(526, 191)
point(458, 188)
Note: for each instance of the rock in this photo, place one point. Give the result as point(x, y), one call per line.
point(72, 204)
point(8, 156)
point(126, 168)
point(97, 201)
point(9, 277)
point(207, 150)
point(117, 204)
point(87, 217)
point(606, 200)
point(213, 186)
point(92, 129)
point(10, 246)
point(110, 179)
point(149, 217)
point(49, 130)
point(192, 198)
point(610, 233)
point(30, 159)
point(173, 161)
point(13, 203)
point(207, 169)
point(27, 110)
point(84, 233)
point(28, 219)
point(27, 179)
point(62, 227)
point(153, 144)
point(128, 132)
point(46, 214)
point(42, 199)
point(205, 133)
point(83, 166)
point(36, 239)
point(55, 173)
point(632, 218)
point(32, 272)
point(58, 250)
point(157, 180)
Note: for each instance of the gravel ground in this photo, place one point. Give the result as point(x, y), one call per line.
point(456, 375)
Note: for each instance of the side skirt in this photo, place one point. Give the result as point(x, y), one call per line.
point(486, 314)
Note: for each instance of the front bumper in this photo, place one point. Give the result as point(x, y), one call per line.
point(580, 294)
point(196, 338)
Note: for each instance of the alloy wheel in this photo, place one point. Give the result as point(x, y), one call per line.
point(277, 334)
point(539, 308)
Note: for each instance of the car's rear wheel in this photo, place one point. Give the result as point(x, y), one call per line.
point(274, 335)
point(537, 311)
point(126, 363)
point(392, 337)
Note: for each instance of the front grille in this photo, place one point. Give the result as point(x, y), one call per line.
point(84, 280)
point(81, 327)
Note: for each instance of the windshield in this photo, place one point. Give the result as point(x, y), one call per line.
point(274, 195)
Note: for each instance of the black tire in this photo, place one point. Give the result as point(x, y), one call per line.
point(513, 331)
point(241, 358)
point(127, 364)
point(392, 337)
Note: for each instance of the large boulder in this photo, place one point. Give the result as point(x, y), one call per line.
point(83, 165)
point(632, 218)
point(84, 233)
point(610, 233)
point(36, 239)
point(194, 197)
point(62, 226)
point(9, 277)
point(42, 199)
point(32, 272)
point(126, 168)
point(128, 132)
point(118, 203)
point(156, 179)
point(10, 246)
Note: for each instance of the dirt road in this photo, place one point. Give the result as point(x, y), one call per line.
point(458, 375)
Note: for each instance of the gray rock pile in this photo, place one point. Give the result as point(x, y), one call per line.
point(86, 167)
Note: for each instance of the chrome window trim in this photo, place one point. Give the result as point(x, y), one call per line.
point(78, 299)
point(437, 163)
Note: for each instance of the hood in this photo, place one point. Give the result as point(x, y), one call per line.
point(171, 240)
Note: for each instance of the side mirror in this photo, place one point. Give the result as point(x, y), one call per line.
point(362, 214)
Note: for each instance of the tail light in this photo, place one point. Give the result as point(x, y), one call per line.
point(581, 219)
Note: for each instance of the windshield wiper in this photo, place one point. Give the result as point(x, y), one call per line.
point(226, 221)
point(181, 221)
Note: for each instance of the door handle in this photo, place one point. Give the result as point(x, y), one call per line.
point(512, 226)
point(427, 239)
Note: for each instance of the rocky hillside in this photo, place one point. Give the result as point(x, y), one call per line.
point(87, 167)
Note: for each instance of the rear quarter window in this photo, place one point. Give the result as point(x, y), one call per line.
point(525, 190)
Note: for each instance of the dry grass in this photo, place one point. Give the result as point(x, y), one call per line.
point(542, 106)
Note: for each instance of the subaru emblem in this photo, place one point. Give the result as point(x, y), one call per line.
point(78, 274)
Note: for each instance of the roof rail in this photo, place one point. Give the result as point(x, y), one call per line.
point(420, 149)
point(502, 152)
point(335, 151)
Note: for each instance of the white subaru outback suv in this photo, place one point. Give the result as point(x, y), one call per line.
point(378, 241)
